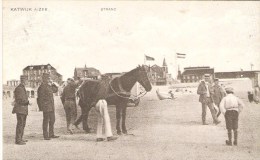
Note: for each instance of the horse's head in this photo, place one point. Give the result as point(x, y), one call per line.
point(143, 79)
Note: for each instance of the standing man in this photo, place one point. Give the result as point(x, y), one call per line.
point(218, 94)
point(21, 110)
point(68, 99)
point(45, 102)
point(205, 91)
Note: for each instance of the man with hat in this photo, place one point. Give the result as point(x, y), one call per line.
point(231, 106)
point(205, 91)
point(218, 94)
point(68, 99)
point(21, 109)
point(45, 102)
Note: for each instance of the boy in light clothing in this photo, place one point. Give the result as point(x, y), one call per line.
point(231, 106)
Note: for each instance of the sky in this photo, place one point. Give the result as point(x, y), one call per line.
point(222, 35)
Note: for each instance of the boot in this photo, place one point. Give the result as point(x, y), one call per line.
point(111, 138)
point(69, 131)
point(235, 137)
point(229, 141)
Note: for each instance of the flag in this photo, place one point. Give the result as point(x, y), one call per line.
point(148, 58)
point(181, 55)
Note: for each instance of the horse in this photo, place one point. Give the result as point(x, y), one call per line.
point(115, 92)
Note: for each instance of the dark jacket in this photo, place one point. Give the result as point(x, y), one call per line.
point(69, 92)
point(219, 94)
point(21, 100)
point(202, 91)
point(45, 98)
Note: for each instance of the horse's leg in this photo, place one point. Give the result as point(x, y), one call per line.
point(124, 118)
point(85, 119)
point(118, 118)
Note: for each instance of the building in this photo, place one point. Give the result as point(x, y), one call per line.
point(159, 75)
point(13, 83)
point(195, 74)
point(253, 75)
point(8, 89)
point(86, 72)
point(34, 74)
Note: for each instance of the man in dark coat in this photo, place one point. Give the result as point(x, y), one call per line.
point(205, 91)
point(21, 109)
point(45, 102)
point(218, 95)
point(68, 99)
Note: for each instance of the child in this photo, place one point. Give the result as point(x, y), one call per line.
point(231, 106)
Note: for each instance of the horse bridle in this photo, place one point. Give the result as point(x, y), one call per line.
point(127, 97)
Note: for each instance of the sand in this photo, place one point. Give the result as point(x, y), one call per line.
point(158, 130)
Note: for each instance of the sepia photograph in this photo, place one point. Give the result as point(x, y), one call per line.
point(130, 80)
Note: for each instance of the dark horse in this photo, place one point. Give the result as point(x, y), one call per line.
point(115, 92)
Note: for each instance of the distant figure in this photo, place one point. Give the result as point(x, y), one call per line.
point(218, 94)
point(250, 96)
point(171, 94)
point(21, 109)
point(256, 94)
point(206, 92)
point(231, 106)
point(45, 103)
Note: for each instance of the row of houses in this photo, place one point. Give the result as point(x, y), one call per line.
point(157, 75)
point(195, 74)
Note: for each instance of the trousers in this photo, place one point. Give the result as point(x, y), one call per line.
point(103, 119)
point(71, 112)
point(48, 122)
point(21, 121)
point(208, 103)
point(231, 118)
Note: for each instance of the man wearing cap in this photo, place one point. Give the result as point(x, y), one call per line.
point(45, 102)
point(205, 90)
point(68, 98)
point(231, 106)
point(218, 94)
point(21, 109)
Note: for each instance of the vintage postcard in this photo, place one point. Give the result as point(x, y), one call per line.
point(132, 80)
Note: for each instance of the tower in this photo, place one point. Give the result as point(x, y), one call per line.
point(165, 67)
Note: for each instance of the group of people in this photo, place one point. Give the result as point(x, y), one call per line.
point(45, 102)
point(225, 100)
point(210, 95)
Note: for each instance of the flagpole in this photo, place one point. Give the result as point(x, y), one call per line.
point(176, 60)
point(144, 60)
